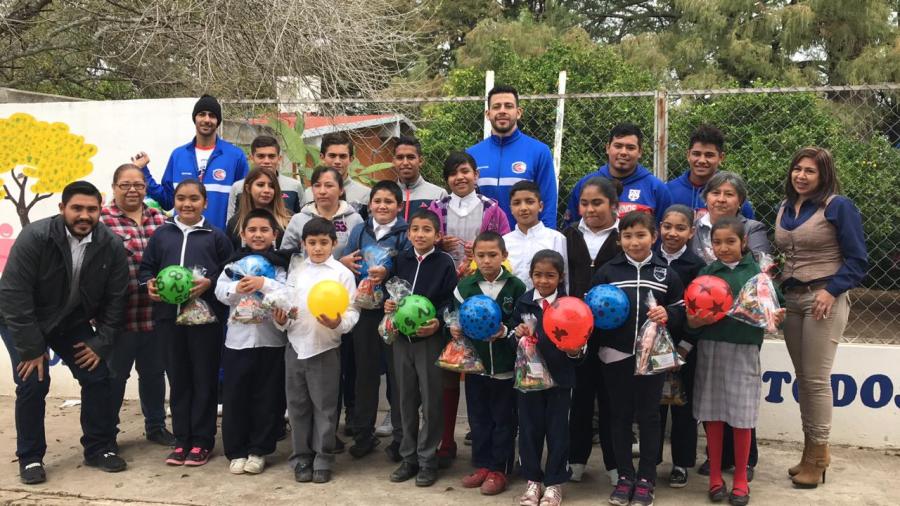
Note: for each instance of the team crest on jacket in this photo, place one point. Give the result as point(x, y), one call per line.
point(634, 194)
point(519, 167)
point(219, 174)
point(659, 273)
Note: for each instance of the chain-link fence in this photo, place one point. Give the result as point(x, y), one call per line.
point(763, 128)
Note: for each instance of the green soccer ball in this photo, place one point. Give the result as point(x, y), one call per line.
point(174, 283)
point(413, 311)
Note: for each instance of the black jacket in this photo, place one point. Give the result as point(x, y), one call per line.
point(36, 283)
point(687, 266)
point(206, 247)
point(435, 278)
point(582, 269)
point(654, 276)
point(562, 368)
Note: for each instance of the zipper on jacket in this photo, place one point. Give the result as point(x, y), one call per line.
point(491, 355)
point(637, 314)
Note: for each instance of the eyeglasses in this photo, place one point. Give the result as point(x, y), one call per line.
point(127, 186)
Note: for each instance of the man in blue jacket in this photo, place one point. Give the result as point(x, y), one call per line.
point(641, 190)
point(509, 156)
point(706, 151)
point(207, 158)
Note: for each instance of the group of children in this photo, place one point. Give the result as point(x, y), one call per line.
point(297, 355)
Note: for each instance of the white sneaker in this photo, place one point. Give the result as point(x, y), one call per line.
point(255, 464)
point(237, 466)
point(386, 428)
point(613, 475)
point(577, 471)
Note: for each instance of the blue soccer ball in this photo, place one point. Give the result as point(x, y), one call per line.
point(256, 265)
point(480, 317)
point(610, 306)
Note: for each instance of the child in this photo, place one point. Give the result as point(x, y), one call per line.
point(312, 358)
point(638, 272)
point(543, 414)
point(432, 274)
point(676, 230)
point(192, 352)
point(383, 228)
point(490, 398)
point(728, 382)
point(590, 243)
point(253, 359)
point(530, 235)
point(463, 215)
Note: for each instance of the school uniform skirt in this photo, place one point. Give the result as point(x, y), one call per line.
point(727, 383)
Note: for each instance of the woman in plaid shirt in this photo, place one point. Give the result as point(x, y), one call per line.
point(129, 218)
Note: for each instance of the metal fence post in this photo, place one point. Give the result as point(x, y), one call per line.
point(661, 134)
point(488, 84)
point(558, 129)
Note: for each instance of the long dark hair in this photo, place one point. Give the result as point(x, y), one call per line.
point(828, 180)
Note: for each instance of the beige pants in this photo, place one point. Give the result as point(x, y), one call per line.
point(812, 344)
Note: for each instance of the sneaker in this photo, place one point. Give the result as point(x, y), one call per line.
point(107, 461)
point(362, 448)
point(532, 495)
point(703, 470)
point(386, 428)
point(236, 466)
point(613, 476)
point(255, 464)
point(197, 457)
point(678, 478)
point(393, 452)
point(577, 472)
point(494, 484)
point(33, 473)
point(161, 436)
point(177, 457)
point(552, 496)
point(475, 479)
point(303, 473)
point(621, 495)
point(643, 494)
point(468, 439)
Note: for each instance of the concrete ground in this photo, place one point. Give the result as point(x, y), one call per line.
point(856, 476)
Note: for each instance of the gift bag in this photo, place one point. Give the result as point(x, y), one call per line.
point(654, 347)
point(531, 370)
point(459, 355)
point(673, 393)
point(196, 311)
point(285, 298)
point(397, 288)
point(370, 295)
point(757, 303)
point(249, 309)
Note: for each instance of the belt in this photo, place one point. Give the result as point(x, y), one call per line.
point(801, 289)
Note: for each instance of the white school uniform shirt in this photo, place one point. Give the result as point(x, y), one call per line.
point(307, 336)
point(611, 355)
point(382, 230)
point(240, 336)
point(464, 216)
point(523, 245)
point(492, 288)
point(595, 240)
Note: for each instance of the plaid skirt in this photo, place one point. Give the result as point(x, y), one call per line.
point(727, 383)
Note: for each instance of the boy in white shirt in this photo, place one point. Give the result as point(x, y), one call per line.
point(313, 360)
point(530, 235)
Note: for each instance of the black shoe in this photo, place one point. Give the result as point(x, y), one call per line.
point(393, 452)
point(107, 461)
point(678, 478)
point(426, 477)
point(162, 437)
point(468, 439)
point(739, 500)
point(703, 470)
point(750, 473)
point(303, 473)
point(404, 472)
point(321, 476)
point(362, 448)
point(33, 473)
point(339, 445)
point(718, 494)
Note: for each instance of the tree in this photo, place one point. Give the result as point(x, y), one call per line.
point(46, 153)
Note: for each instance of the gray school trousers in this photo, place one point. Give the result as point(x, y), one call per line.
point(311, 385)
point(420, 384)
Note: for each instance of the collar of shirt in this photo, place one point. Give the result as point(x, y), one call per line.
point(550, 298)
point(731, 265)
point(329, 262)
point(423, 256)
point(671, 257)
point(382, 230)
point(704, 221)
point(641, 263)
point(536, 229)
point(188, 228)
point(75, 242)
point(412, 185)
point(464, 205)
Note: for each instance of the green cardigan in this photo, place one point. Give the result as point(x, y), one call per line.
point(728, 329)
point(498, 357)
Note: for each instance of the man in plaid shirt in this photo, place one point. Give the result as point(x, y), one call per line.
point(129, 218)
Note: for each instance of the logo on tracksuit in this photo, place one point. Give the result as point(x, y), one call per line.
point(634, 194)
point(659, 274)
point(519, 167)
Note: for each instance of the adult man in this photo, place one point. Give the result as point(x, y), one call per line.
point(265, 152)
point(207, 158)
point(131, 220)
point(641, 190)
point(706, 151)
point(336, 151)
point(407, 162)
point(509, 156)
point(64, 288)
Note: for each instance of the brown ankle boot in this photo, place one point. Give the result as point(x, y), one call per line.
point(793, 471)
point(814, 466)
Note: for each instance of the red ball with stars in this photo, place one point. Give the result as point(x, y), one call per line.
point(708, 295)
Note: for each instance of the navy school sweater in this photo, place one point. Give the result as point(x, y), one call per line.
point(562, 368)
point(687, 266)
point(434, 278)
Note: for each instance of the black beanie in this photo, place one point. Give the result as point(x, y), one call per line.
point(208, 103)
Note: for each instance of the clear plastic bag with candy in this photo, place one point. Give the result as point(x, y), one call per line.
point(196, 311)
point(459, 355)
point(369, 294)
point(397, 288)
point(250, 308)
point(654, 348)
point(757, 303)
point(531, 370)
point(673, 393)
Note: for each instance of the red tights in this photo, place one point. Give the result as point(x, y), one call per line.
point(714, 434)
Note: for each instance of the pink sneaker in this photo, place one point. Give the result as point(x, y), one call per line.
point(197, 457)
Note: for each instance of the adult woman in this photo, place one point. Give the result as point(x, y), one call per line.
point(821, 235)
point(725, 193)
point(129, 218)
point(261, 190)
point(328, 190)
